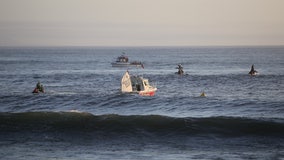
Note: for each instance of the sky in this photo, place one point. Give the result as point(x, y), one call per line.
point(141, 22)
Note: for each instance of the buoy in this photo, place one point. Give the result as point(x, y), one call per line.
point(203, 94)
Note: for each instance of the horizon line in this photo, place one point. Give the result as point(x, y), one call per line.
point(133, 46)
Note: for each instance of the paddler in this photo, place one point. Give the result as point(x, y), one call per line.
point(38, 88)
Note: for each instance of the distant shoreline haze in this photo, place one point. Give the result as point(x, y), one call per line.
point(141, 23)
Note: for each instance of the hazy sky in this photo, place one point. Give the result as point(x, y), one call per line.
point(141, 22)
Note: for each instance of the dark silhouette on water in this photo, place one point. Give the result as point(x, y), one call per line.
point(252, 71)
point(39, 88)
point(180, 70)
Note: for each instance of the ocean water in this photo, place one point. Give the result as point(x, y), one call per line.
point(83, 114)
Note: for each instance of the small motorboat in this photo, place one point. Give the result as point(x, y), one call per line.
point(123, 61)
point(136, 84)
point(180, 70)
point(252, 71)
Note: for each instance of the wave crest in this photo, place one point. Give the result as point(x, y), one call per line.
point(137, 124)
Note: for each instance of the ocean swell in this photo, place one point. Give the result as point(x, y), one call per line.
point(137, 124)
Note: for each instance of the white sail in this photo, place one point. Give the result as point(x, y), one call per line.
point(126, 83)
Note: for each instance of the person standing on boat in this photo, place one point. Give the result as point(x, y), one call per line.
point(252, 68)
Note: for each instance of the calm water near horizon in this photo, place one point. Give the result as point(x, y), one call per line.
point(83, 114)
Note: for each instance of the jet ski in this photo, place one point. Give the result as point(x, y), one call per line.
point(252, 71)
point(180, 70)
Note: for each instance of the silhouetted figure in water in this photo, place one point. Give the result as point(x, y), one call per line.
point(39, 88)
point(252, 71)
point(180, 70)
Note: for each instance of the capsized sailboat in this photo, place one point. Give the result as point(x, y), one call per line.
point(136, 84)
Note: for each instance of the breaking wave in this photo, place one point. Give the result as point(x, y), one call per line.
point(138, 124)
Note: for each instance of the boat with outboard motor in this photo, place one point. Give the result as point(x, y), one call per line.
point(136, 84)
point(123, 61)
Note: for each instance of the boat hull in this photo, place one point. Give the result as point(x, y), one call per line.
point(147, 93)
point(125, 65)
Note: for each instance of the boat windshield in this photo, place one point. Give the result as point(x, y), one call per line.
point(122, 58)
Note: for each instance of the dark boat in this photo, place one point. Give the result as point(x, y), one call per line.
point(123, 61)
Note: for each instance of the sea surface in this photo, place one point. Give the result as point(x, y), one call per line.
point(83, 114)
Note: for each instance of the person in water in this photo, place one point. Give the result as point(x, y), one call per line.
point(252, 70)
point(38, 88)
point(180, 69)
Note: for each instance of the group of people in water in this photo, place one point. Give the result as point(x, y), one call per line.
point(40, 89)
point(181, 72)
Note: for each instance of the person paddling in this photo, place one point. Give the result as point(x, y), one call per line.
point(38, 88)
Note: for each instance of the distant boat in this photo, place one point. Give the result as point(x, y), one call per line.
point(136, 84)
point(123, 61)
